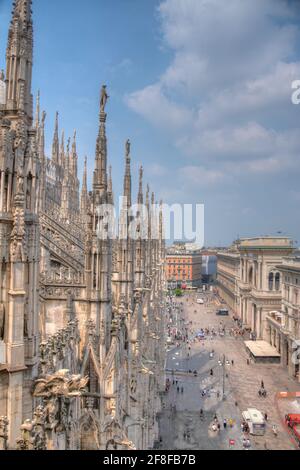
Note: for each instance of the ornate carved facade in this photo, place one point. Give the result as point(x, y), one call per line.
point(81, 329)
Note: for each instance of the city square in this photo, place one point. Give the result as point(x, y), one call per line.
point(241, 385)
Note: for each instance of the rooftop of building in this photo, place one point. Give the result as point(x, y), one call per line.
point(265, 242)
point(183, 249)
point(290, 264)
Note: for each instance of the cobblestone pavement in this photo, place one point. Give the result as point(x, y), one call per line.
point(241, 384)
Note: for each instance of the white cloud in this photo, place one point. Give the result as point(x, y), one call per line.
point(226, 95)
point(156, 169)
point(152, 104)
point(200, 176)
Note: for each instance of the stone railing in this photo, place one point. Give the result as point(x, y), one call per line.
point(62, 292)
point(61, 245)
point(73, 226)
point(65, 276)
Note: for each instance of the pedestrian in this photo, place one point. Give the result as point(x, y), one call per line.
point(248, 362)
point(266, 416)
point(214, 427)
point(177, 389)
point(225, 423)
point(219, 426)
point(211, 372)
point(232, 362)
point(262, 384)
point(182, 390)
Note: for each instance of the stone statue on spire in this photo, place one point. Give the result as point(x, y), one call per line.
point(104, 99)
point(128, 148)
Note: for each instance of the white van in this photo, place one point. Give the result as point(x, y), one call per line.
point(256, 421)
point(200, 301)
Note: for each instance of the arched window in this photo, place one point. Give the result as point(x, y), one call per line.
point(271, 281)
point(277, 281)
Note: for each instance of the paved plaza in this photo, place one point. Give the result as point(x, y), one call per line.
point(228, 371)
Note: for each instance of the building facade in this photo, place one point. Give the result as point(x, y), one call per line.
point(228, 275)
point(183, 267)
point(284, 324)
point(258, 279)
point(209, 266)
point(81, 324)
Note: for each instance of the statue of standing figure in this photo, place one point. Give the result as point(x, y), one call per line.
point(104, 98)
point(128, 148)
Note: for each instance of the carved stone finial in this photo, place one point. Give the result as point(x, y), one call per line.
point(128, 148)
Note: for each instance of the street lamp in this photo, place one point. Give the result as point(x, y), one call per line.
point(223, 364)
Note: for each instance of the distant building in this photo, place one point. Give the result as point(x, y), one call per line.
point(209, 268)
point(183, 266)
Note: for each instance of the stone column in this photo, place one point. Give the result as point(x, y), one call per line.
point(253, 318)
point(258, 322)
point(260, 284)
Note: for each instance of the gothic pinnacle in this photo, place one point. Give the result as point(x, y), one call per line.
point(22, 9)
point(110, 187)
point(127, 177)
point(55, 145)
point(37, 112)
point(140, 194)
point(19, 63)
point(62, 149)
point(67, 156)
point(84, 179)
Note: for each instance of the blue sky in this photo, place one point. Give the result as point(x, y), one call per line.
point(201, 87)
